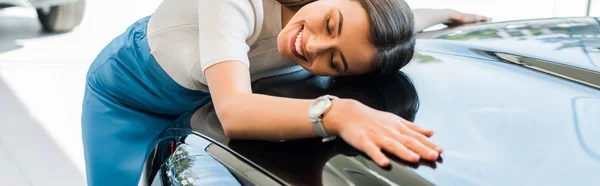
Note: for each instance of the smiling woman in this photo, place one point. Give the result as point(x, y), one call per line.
point(379, 36)
point(163, 65)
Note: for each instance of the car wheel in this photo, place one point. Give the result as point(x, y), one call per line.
point(61, 18)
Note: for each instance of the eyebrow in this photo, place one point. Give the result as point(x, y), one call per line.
point(340, 22)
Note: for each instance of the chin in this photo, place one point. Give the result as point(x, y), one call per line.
point(288, 57)
point(307, 69)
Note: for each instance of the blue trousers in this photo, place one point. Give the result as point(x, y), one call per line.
point(130, 103)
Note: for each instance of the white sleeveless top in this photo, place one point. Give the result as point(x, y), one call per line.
point(188, 36)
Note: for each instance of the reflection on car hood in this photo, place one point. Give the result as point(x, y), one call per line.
point(502, 124)
point(570, 41)
point(519, 110)
point(511, 89)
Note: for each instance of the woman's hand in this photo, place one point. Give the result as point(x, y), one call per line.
point(372, 131)
point(454, 17)
point(424, 18)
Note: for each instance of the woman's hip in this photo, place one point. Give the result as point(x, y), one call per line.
point(125, 71)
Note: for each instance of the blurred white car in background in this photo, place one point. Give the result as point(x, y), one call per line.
point(54, 15)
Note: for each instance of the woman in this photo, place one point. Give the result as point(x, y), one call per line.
point(164, 65)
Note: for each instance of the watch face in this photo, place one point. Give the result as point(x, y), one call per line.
point(317, 108)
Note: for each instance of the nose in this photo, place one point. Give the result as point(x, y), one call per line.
point(318, 46)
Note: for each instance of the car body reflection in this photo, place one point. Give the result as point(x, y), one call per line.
point(512, 103)
point(570, 41)
point(310, 162)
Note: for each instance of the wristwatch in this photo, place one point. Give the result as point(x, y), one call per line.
point(316, 112)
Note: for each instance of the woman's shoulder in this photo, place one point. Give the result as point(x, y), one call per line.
point(184, 13)
point(195, 8)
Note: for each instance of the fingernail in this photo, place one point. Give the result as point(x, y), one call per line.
point(384, 162)
point(433, 155)
point(415, 157)
point(439, 149)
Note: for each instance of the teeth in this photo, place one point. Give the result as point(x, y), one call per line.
point(298, 40)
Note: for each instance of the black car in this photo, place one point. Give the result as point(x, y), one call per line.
point(512, 103)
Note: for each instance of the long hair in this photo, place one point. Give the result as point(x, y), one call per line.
point(392, 31)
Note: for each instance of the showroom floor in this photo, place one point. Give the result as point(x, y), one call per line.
point(42, 78)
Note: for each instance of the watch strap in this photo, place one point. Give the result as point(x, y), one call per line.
point(318, 122)
point(318, 126)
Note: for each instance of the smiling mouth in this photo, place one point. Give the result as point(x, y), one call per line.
point(297, 43)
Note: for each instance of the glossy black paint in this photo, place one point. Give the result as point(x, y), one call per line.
point(303, 162)
point(569, 41)
point(502, 124)
point(510, 112)
point(528, 106)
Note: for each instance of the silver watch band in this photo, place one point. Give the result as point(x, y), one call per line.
point(318, 122)
point(318, 126)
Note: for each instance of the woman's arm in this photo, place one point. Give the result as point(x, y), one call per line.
point(425, 18)
point(245, 115)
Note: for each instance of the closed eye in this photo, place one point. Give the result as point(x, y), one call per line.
point(327, 25)
point(331, 63)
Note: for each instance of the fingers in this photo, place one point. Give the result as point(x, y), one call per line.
point(469, 18)
point(416, 146)
point(375, 153)
point(393, 134)
point(472, 18)
point(399, 150)
point(483, 18)
point(420, 134)
point(425, 141)
point(416, 128)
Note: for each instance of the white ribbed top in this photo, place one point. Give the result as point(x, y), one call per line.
point(188, 36)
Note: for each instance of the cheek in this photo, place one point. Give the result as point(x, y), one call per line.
point(321, 67)
point(283, 46)
point(365, 67)
point(283, 38)
point(281, 43)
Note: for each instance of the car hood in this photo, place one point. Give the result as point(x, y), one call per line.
point(506, 124)
point(503, 116)
point(500, 124)
point(569, 41)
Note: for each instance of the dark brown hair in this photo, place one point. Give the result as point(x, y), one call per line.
point(392, 31)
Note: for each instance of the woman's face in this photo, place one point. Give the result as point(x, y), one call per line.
point(329, 38)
